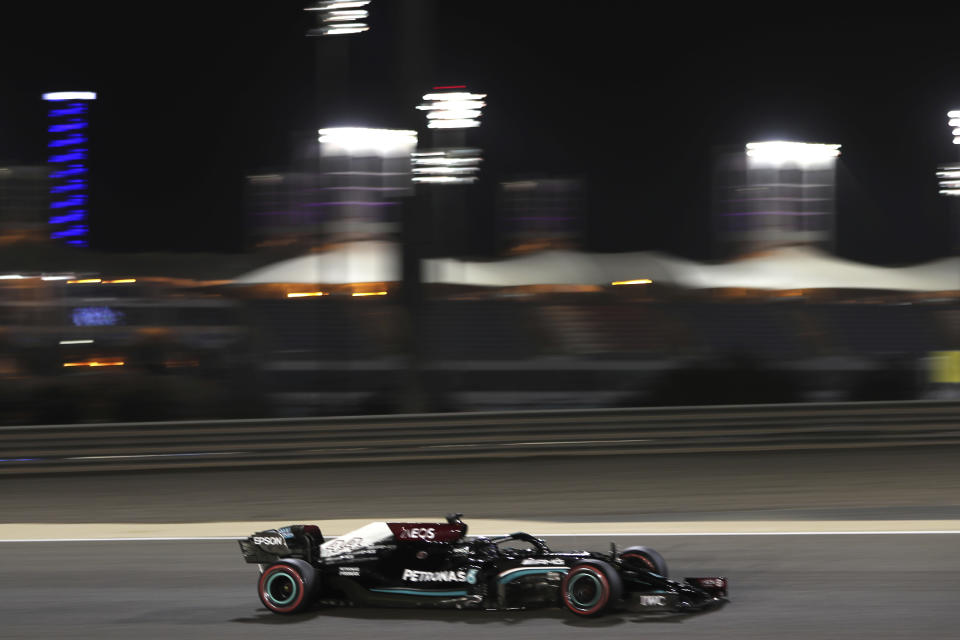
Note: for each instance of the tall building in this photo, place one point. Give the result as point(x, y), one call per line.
point(351, 191)
point(278, 210)
point(68, 160)
point(541, 213)
point(774, 194)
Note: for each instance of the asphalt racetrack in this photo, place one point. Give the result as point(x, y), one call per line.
point(881, 585)
point(876, 586)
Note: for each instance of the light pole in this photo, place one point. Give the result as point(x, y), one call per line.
point(449, 165)
point(948, 178)
point(335, 18)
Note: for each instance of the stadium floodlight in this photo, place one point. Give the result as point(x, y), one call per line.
point(781, 152)
point(340, 17)
point(948, 177)
point(953, 120)
point(453, 109)
point(363, 141)
point(70, 95)
point(446, 166)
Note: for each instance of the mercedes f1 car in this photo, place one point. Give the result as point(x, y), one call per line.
point(417, 564)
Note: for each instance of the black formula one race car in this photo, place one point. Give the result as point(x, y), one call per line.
point(418, 564)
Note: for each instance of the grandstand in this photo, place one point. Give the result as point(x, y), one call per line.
point(534, 331)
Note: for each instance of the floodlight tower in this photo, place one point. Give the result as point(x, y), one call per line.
point(340, 17)
point(338, 23)
point(450, 111)
point(785, 196)
point(335, 20)
point(948, 176)
point(68, 146)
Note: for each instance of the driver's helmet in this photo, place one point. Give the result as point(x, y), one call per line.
point(484, 548)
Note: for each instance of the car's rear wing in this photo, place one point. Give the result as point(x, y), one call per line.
point(295, 541)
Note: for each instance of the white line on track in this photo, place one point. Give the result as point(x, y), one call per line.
point(526, 444)
point(704, 534)
point(701, 534)
point(155, 455)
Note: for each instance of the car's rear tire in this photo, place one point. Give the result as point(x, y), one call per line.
point(590, 588)
point(643, 559)
point(286, 586)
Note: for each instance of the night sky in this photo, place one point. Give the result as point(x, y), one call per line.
point(193, 96)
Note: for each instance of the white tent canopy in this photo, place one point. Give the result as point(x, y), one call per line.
point(353, 262)
point(785, 268)
point(806, 268)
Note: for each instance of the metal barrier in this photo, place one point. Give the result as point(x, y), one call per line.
point(346, 440)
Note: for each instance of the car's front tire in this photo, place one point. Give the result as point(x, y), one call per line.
point(590, 588)
point(286, 586)
point(643, 559)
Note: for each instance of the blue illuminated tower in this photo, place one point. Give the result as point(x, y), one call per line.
point(68, 148)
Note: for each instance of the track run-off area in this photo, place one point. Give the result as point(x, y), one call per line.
point(816, 544)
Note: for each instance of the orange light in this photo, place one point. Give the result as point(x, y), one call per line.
point(370, 293)
point(95, 363)
point(306, 295)
point(124, 281)
point(86, 281)
point(640, 281)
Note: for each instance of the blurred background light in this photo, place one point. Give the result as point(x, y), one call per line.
point(70, 95)
point(340, 17)
point(67, 160)
point(953, 120)
point(948, 178)
point(780, 152)
point(446, 166)
point(453, 109)
point(359, 140)
point(95, 363)
point(96, 317)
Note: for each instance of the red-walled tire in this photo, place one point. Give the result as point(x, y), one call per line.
point(590, 588)
point(286, 586)
point(643, 559)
